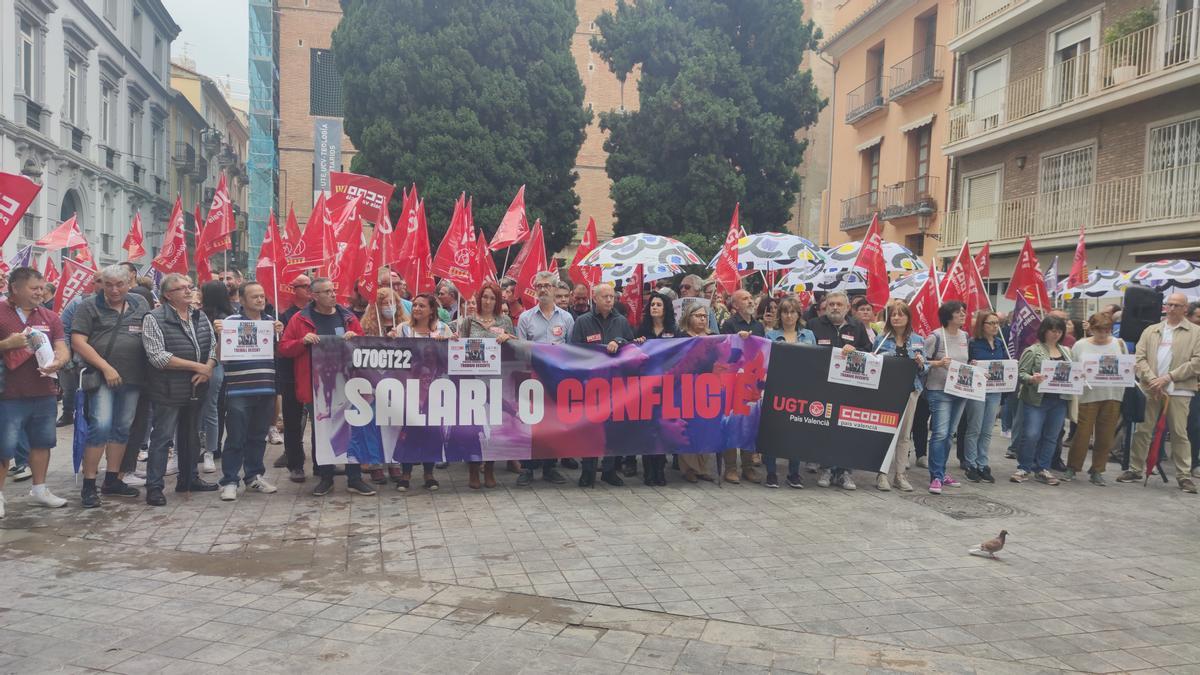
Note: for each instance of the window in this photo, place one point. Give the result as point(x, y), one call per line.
point(1173, 182)
point(106, 117)
point(156, 142)
point(73, 90)
point(324, 85)
point(981, 192)
point(986, 93)
point(26, 71)
point(157, 66)
point(1070, 49)
point(871, 174)
point(1065, 187)
point(110, 12)
point(135, 32)
point(915, 243)
point(919, 142)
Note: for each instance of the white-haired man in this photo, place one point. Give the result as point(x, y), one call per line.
point(547, 323)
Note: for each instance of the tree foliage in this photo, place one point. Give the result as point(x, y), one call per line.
point(479, 96)
point(721, 99)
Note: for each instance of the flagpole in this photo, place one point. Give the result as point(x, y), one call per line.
point(507, 250)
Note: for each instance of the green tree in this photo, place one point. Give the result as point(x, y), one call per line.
point(722, 97)
point(479, 96)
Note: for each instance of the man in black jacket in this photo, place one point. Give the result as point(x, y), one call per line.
point(838, 330)
point(741, 322)
point(601, 326)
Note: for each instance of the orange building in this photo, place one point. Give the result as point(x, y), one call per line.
point(891, 89)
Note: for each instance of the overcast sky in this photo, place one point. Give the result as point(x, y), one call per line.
point(214, 34)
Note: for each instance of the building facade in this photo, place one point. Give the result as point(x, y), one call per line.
point(1075, 115)
point(85, 99)
point(891, 86)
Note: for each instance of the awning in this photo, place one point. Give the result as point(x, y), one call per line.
point(917, 124)
point(869, 144)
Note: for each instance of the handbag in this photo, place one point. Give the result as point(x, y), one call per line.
point(91, 379)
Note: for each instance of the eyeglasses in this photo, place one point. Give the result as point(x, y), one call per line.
point(543, 285)
point(991, 323)
point(1176, 304)
point(180, 288)
point(324, 292)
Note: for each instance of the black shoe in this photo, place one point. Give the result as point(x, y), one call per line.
point(985, 474)
point(630, 469)
point(526, 478)
point(772, 481)
point(198, 485)
point(587, 479)
point(296, 475)
point(154, 497)
point(358, 486)
point(973, 474)
point(1057, 465)
point(323, 487)
point(612, 478)
point(569, 463)
point(118, 488)
point(432, 484)
point(66, 420)
point(281, 462)
point(88, 498)
point(551, 475)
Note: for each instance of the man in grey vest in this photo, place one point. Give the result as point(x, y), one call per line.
point(179, 343)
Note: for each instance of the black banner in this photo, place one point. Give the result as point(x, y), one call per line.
point(806, 417)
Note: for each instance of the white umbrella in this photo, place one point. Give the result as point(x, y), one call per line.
point(1099, 284)
point(649, 272)
point(1169, 276)
point(906, 287)
point(642, 249)
point(815, 278)
point(774, 250)
point(898, 258)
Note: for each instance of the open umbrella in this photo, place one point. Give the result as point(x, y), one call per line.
point(1169, 276)
point(642, 249)
point(898, 258)
point(649, 272)
point(1099, 284)
point(906, 287)
point(774, 250)
point(815, 278)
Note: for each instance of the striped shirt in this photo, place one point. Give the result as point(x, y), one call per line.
point(250, 378)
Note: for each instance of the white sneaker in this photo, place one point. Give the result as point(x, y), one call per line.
point(1, 505)
point(209, 465)
point(882, 484)
point(172, 465)
point(133, 480)
point(826, 476)
point(903, 485)
point(143, 455)
point(229, 493)
point(922, 463)
point(262, 486)
point(46, 498)
point(274, 437)
point(846, 482)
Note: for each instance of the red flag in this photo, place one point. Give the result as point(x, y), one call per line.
point(395, 248)
point(203, 270)
point(870, 260)
point(1027, 279)
point(726, 272)
point(924, 305)
point(347, 260)
point(534, 261)
point(66, 235)
point(1079, 270)
point(270, 261)
point(585, 275)
point(631, 295)
point(484, 264)
point(291, 233)
point(16, 194)
point(76, 279)
point(309, 249)
point(381, 238)
point(455, 259)
point(220, 223)
point(172, 257)
point(134, 244)
point(554, 264)
point(514, 228)
point(82, 254)
point(416, 263)
point(375, 193)
point(983, 260)
point(50, 272)
point(963, 283)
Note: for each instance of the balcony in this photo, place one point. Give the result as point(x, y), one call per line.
point(980, 21)
point(136, 172)
point(913, 197)
point(1149, 62)
point(201, 171)
point(185, 157)
point(866, 99)
point(77, 140)
point(160, 186)
point(1153, 198)
point(916, 73)
point(110, 159)
point(33, 115)
point(858, 210)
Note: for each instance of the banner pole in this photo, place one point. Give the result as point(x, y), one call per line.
point(507, 250)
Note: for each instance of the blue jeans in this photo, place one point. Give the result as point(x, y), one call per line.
point(944, 412)
point(209, 423)
point(770, 461)
point(30, 421)
point(1018, 427)
point(246, 421)
point(1008, 410)
point(980, 419)
point(110, 414)
point(166, 423)
point(1039, 442)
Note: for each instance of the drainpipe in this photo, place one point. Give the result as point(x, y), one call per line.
point(829, 164)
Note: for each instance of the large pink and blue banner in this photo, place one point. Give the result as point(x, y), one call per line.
point(380, 400)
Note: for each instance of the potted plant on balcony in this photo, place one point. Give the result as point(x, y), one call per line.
point(1123, 54)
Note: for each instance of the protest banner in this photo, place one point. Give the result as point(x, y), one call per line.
point(966, 381)
point(1109, 370)
point(1001, 375)
point(831, 423)
point(1062, 377)
point(379, 399)
point(857, 369)
point(247, 340)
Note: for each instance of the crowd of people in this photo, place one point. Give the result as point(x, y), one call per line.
point(146, 365)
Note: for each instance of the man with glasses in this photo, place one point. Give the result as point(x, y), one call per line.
point(692, 286)
point(285, 380)
point(547, 323)
point(1167, 364)
point(179, 342)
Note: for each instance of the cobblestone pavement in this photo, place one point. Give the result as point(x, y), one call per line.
point(699, 578)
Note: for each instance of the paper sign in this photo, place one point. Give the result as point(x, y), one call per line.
point(473, 356)
point(1001, 375)
point(247, 340)
point(966, 381)
point(1062, 377)
point(857, 369)
point(1109, 370)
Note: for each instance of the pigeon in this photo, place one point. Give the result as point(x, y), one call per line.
point(991, 546)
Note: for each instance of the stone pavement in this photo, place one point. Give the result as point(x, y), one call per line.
point(697, 578)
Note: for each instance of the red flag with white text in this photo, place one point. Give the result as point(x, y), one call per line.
point(1079, 269)
point(347, 262)
point(270, 261)
point(534, 262)
point(455, 259)
point(50, 272)
point(66, 235)
point(76, 280)
point(135, 242)
point(172, 257)
point(484, 264)
point(416, 261)
point(631, 295)
point(514, 228)
point(309, 250)
point(962, 282)
point(219, 225)
point(585, 275)
point(726, 272)
point(1027, 279)
point(16, 194)
point(983, 260)
point(870, 261)
point(375, 194)
point(924, 305)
